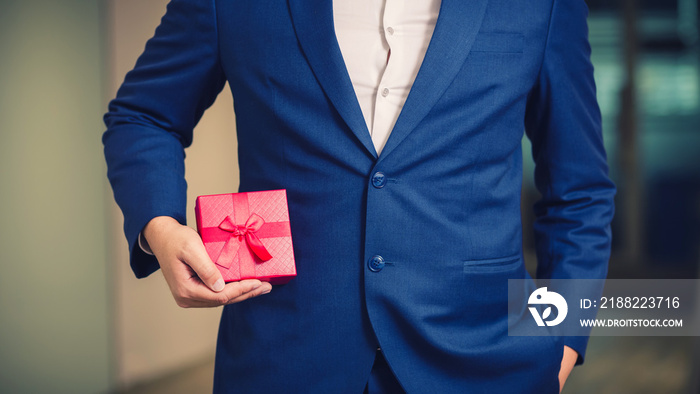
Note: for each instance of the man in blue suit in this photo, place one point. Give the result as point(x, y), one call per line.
point(406, 227)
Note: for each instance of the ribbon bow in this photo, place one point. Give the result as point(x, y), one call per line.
point(247, 232)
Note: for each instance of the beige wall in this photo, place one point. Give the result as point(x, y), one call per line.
point(153, 335)
point(54, 321)
point(73, 319)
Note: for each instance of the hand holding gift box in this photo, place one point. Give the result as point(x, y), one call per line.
point(247, 235)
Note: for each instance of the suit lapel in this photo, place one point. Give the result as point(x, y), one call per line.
point(313, 23)
point(455, 31)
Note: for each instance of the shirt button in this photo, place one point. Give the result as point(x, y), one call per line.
point(378, 180)
point(390, 30)
point(376, 263)
point(385, 92)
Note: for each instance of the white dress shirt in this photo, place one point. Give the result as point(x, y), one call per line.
point(383, 43)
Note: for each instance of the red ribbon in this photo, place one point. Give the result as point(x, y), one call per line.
point(239, 233)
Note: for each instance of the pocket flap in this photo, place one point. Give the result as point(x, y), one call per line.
point(492, 265)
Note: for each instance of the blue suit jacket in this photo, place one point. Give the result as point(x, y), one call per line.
point(444, 218)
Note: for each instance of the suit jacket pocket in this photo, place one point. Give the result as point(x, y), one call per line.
point(500, 264)
point(499, 42)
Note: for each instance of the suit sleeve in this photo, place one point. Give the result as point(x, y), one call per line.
point(563, 121)
point(150, 122)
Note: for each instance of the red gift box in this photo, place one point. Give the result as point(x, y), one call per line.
point(247, 235)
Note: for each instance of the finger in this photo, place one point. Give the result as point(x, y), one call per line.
point(238, 296)
point(263, 289)
point(196, 256)
point(198, 295)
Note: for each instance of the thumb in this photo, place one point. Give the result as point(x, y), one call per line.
point(205, 269)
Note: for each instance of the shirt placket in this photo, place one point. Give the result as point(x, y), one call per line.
point(388, 97)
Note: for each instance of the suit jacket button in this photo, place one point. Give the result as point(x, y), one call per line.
point(378, 180)
point(376, 263)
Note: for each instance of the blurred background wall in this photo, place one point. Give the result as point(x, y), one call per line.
point(55, 320)
point(74, 320)
point(646, 59)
